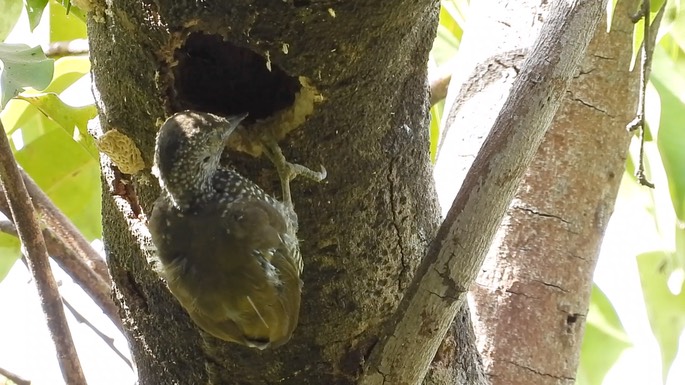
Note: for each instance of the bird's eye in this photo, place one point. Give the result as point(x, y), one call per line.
point(206, 159)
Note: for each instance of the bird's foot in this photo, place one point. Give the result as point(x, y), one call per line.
point(288, 171)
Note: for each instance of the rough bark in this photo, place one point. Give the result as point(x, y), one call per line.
point(538, 274)
point(457, 252)
point(363, 230)
point(531, 296)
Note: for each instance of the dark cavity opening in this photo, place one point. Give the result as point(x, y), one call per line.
point(216, 76)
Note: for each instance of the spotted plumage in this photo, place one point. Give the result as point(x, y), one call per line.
point(229, 251)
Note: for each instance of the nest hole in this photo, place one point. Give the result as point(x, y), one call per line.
point(216, 76)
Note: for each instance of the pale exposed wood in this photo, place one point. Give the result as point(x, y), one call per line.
point(538, 273)
point(457, 253)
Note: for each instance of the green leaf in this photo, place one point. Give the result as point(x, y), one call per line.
point(452, 18)
point(654, 5)
point(67, 174)
point(10, 252)
point(22, 67)
point(611, 8)
point(665, 310)
point(677, 31)
point(679, 233)
point(447, 40)
point(68, 70)
point(450, 30)
point(19, 113)
point(8, 17)
point(63, 168)
point(66, 25)
point(436, 118)
point(68, 118)
point(630, 168)
point(669, 80)
point(604, 340)
point(34, 9)
point(638, 35)
point(656, 30)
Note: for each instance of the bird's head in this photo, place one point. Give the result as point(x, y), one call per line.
point(188, 150)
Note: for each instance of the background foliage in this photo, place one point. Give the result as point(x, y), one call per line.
point(48, 131)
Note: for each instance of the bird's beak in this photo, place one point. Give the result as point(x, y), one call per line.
point(236, 119)
point(231, 123)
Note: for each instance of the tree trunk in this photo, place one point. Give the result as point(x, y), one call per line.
point(531, 297)
point(548, 246)
point(363, 230)
point(342, 85)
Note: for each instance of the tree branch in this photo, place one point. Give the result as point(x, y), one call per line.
point(8, 228)
point(65, 229)
point(14, 377)
point(67, 48)
point(97, 289)
point(455, 256)
point(566, 200)
point(30, 235)
point(104, 337)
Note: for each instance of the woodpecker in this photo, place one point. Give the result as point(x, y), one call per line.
point(228, 250)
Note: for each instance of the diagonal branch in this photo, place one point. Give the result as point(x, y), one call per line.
point(32, 239)
point(64, 228)
point(71, 250)
point(565, 200)
point(455, 256)
point(96, 288)
point(109, 341)
point(7, 227)
point(14, 377)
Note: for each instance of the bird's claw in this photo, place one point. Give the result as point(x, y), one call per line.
point(288, 171)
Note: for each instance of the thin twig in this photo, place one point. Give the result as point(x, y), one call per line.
point(107, 339)
point(32, 239)
point(74, 253)
point(14, 377)
point(639, 121)
point(91, 283)
point(82, 273)
point(8, 228)
point(646, 54)
point(64, 228)
point(67, 48)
